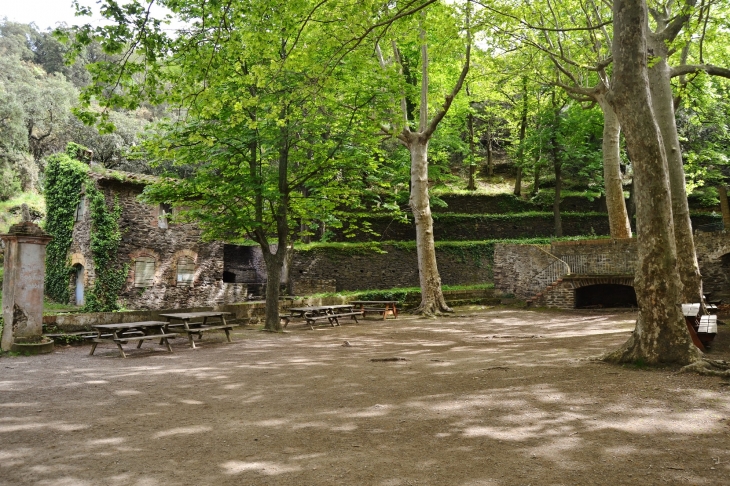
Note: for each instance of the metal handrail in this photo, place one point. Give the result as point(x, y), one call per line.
point(600, 264)
point(556, 270)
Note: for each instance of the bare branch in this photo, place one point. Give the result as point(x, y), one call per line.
point(710, 69)
point(544, 29)
point(423, 119)
point(459, 83)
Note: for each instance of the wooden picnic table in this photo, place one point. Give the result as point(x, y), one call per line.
point(385, 307)
point(314, 313)
point(191, 328)
point(122, 333)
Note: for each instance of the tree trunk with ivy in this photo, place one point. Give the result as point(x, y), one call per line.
point(660, 335)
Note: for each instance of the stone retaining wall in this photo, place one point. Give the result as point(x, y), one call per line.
point(461, 227)
point(516, 265)
point(242, 312)
point(508, 203)
point(397, 267)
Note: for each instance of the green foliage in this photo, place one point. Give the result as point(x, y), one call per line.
point(64, 178)
point(11, 182)
point(105, 239)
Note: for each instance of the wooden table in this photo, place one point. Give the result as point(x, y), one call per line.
point(314, 313)
point(384, 307)
point(199, 328)
point(122, 333)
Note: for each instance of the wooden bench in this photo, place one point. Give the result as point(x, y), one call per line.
point(332, 318)
point(384, 307)
point(702, 328)
point(352, 315)
point(198, 328)
point(707, 329)
point(192, 328)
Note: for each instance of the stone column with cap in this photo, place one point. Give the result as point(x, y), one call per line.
point(24, 275)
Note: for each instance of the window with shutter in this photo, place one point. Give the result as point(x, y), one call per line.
point(185, 272)
point(144, 272)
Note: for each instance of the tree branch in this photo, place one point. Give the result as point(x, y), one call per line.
point(710, 69)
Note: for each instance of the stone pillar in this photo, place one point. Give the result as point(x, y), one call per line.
point(25, 271)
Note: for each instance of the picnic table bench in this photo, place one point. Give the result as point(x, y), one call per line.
point(314, 314)
point(385, 307)
point(193, 328)
point(122, 333)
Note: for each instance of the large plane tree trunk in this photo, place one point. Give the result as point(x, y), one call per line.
point(618, 216)
point(432, 297)
point(663, 105)
point(660, 335)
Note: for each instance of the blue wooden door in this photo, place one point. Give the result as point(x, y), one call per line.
point(80, 285)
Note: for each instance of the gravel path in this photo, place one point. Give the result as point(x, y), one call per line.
point(484, 397)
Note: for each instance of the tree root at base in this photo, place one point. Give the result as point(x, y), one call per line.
point(432, 310)
point(708, 367)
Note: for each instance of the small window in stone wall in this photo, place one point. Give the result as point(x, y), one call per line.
point(185, 272)
point(144, 272)
point(164, 211)
point(80, 209)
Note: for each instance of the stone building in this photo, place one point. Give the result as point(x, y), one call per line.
point(169, 265)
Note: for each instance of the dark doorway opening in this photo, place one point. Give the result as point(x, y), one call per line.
point(242, 264)
point(605, 295)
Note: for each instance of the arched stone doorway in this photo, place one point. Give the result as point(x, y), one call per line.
point(605, 295)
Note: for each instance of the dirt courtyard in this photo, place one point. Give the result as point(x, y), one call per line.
point(484, 397)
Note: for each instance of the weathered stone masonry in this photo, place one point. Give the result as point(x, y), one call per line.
point(227, 273)
point(143, 237)
point(603, 261)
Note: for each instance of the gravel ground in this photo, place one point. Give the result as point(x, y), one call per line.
point(484, 397)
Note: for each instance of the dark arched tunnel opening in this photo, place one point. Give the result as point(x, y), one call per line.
point(605, 295)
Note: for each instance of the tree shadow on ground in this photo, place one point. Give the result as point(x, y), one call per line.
point(499, 397)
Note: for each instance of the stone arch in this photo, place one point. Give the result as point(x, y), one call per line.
point(78, 259)
point(609, 291)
